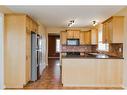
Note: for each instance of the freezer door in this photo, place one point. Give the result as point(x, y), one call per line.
point(33, 56)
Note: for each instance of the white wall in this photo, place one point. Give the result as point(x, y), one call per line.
point(123, 12)
point(1, 51)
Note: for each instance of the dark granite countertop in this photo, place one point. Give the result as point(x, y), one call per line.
point(93, 56)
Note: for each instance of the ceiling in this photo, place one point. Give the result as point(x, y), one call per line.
point(59, 16)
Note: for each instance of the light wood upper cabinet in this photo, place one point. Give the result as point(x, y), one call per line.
point(88, 37)
point(82, 37)
point(70, 34)
point(31, 25)
point(94, 36)
point(113, 30)
point(76, 34)
point(63, 37)
point(73, 34)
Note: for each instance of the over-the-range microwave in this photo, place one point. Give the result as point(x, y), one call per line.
point(72, 41)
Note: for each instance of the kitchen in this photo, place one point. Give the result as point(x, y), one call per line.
point(93, 59)
point(90, 57)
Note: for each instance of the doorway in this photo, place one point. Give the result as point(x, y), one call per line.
point(53, 46)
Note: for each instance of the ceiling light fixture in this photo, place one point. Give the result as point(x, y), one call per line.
point(94, 23)
point(71, 23)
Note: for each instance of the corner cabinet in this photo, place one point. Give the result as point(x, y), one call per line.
point(17, 39)
point(113, 30)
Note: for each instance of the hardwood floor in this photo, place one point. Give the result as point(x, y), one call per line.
point(51, 79)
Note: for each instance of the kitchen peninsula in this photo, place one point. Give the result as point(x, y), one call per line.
point(91, 70)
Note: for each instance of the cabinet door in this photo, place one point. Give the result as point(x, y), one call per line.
point(70, 34)
point(28, 56)
point(76, 34)
point(82, 37)
point(109, 31)
point(115, 72)
point(104, 33)
point(63, 37)
point(88, 37)
point(94, 36)
point(109, 73)
point(113, 30)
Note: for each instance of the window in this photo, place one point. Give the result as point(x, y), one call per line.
point(57, 45)
point(102, 46)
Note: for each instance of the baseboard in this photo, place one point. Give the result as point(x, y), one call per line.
point(92, 86)
point(53, 57)
point(13, 86)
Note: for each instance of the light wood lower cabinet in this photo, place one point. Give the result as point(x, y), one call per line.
point(92, 72)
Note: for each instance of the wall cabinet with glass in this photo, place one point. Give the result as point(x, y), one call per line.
point(113, 30)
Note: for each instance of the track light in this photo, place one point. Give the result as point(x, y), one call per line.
point(94, 23)
point(71, 23)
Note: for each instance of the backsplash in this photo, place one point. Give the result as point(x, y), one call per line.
point(116, 49)
point(81, 48)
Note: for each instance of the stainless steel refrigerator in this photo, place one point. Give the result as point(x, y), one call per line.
point(36, 55)
point(33, 56)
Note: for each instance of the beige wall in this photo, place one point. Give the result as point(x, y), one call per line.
point(43, 33)
point(123, 12)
